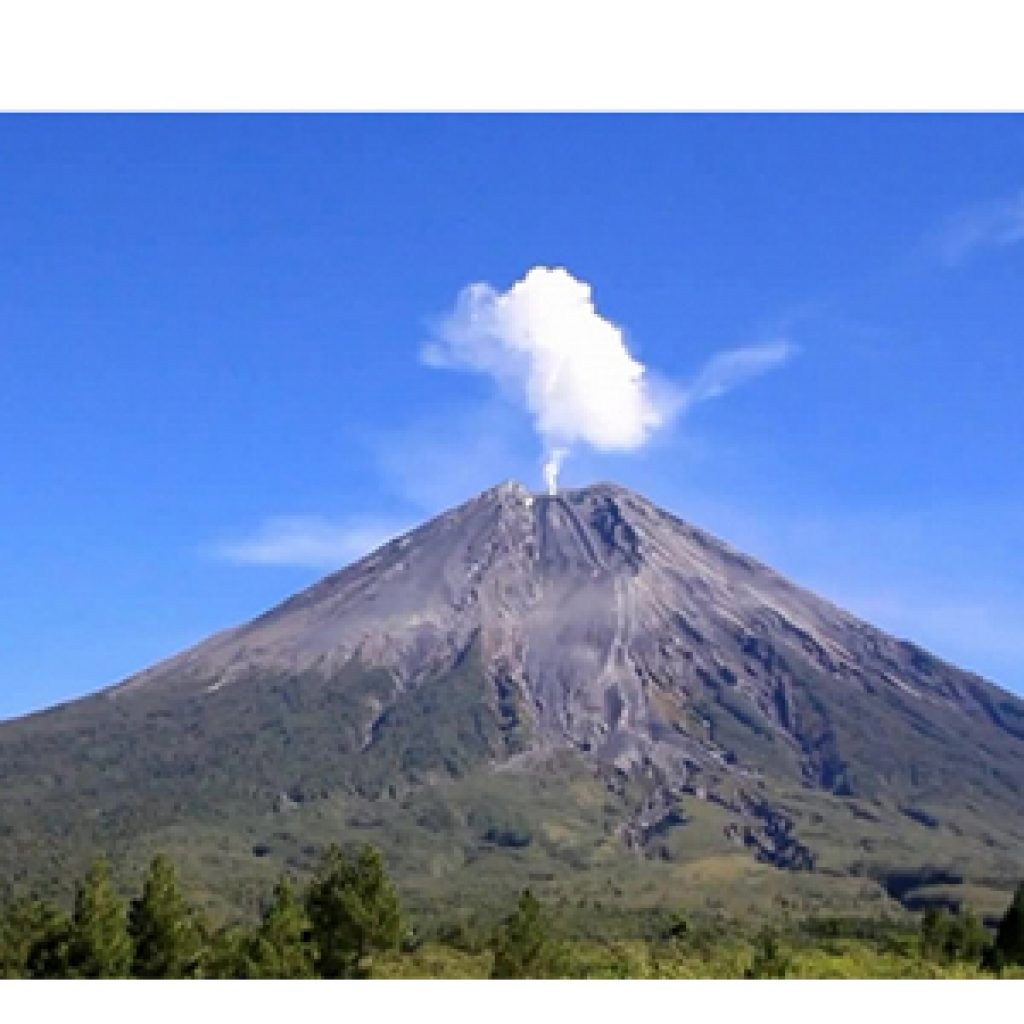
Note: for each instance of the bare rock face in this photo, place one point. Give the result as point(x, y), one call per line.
point(627, 635)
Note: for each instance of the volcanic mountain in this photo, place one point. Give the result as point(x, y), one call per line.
point(577, 691)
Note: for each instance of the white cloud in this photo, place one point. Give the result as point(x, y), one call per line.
point(545, 339)
point(987, 225)
point(308, 542)
point(547, 346)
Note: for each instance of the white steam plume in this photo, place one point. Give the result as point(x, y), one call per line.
point(552, 465)
point(544, 340)
point(545, 343)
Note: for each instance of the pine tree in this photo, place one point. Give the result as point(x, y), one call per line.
point(523, 948)
point(1009, 944)
point(227, 953)
point(48, 956)
point(33, 940)
point(353, 912)
point(281, 948)
point(162, 927)
point(98, 944)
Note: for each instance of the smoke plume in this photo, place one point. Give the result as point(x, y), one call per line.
point(545, 343)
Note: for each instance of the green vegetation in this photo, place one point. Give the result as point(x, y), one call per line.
point(769, 960)
point(1008, 948)
point(952, 937)
point(29, 926)
point(242, 784)
point(163, 930)
point(353, 913)
point(523, 947)
point(279, 949)
point(98, 945)
point(347, 922)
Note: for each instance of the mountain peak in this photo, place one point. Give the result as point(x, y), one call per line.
point(516, 488)
point(520, 632)
point(601, 613)
point(507, 488)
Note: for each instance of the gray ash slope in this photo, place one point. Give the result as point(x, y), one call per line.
point(520, 628)
point(609, 623)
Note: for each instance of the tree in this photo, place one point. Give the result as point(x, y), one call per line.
point(935, 931)
point(48, 955)
point(948, 937)
point(970, 938)
point(227, 953)
point(523, 947)
point(769, 960)
point(162, 927)
point(281, 948)
point(1009, 945)
point(98, 942)
point(353, 912)
point(33, 940)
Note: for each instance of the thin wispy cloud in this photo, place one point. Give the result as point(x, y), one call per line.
point(307, 542)
point(994, 224)
point(730, 369)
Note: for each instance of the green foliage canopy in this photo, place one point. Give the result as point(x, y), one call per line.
point(281, 947)
point(34, 938)
point(162, 927)
point(524, 947)
point(98, 942)
point(1009, 944)
point(353, 912)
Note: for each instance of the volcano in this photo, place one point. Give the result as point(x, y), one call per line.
point(580, 691)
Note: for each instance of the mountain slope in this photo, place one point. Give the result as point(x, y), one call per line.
point(577, 687)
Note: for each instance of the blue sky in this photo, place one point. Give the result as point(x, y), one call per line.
point(211, 333)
